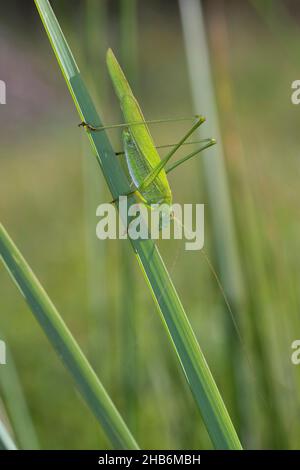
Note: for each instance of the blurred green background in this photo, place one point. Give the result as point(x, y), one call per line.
point(51, 186)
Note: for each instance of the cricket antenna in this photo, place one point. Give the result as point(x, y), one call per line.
point(221, 289)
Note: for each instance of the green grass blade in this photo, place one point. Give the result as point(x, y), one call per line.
point(130, 372)
point(129, 36)
point(225, 247)
point(65, 345)
point(6, 442)
point(214, 166)
point(197, 372)
point(94, 37)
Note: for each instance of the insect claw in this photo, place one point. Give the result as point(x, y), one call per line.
point(87, 126)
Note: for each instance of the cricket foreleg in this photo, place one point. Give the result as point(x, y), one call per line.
point(90, 127)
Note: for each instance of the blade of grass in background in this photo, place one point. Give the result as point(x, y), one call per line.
point(94, 34)
point(6, 442)
point(284, 31)
point(128, 37)
point(16, 405)
point(219, 42)
point(224, 238)
point(202, 384)
point(62, 340)
point(277, 19)
point(128, 310)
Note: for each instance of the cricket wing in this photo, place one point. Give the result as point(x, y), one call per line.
point(143, 139)
point(138, 166)
point(139, 169)
point(117, 76)
point(147, 156)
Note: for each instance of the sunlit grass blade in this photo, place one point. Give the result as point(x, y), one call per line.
point(129, 311)
point(216, 181)
point(6, 442)
point(93, 38)
point(129, 36)
point(62, 340)
point(198, 375)
point(16, 405)
point(214, 166)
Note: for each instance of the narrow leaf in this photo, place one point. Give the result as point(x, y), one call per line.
point(62, 340)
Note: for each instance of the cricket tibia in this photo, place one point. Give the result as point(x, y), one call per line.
point(179, 162)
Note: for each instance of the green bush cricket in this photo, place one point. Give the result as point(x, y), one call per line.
point(147, 171)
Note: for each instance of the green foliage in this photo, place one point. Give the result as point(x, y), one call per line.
point(65, 345)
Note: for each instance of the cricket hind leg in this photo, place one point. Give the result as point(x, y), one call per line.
point(182, 160)
point(155, 172)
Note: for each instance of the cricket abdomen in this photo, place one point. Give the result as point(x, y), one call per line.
point(158, 191)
